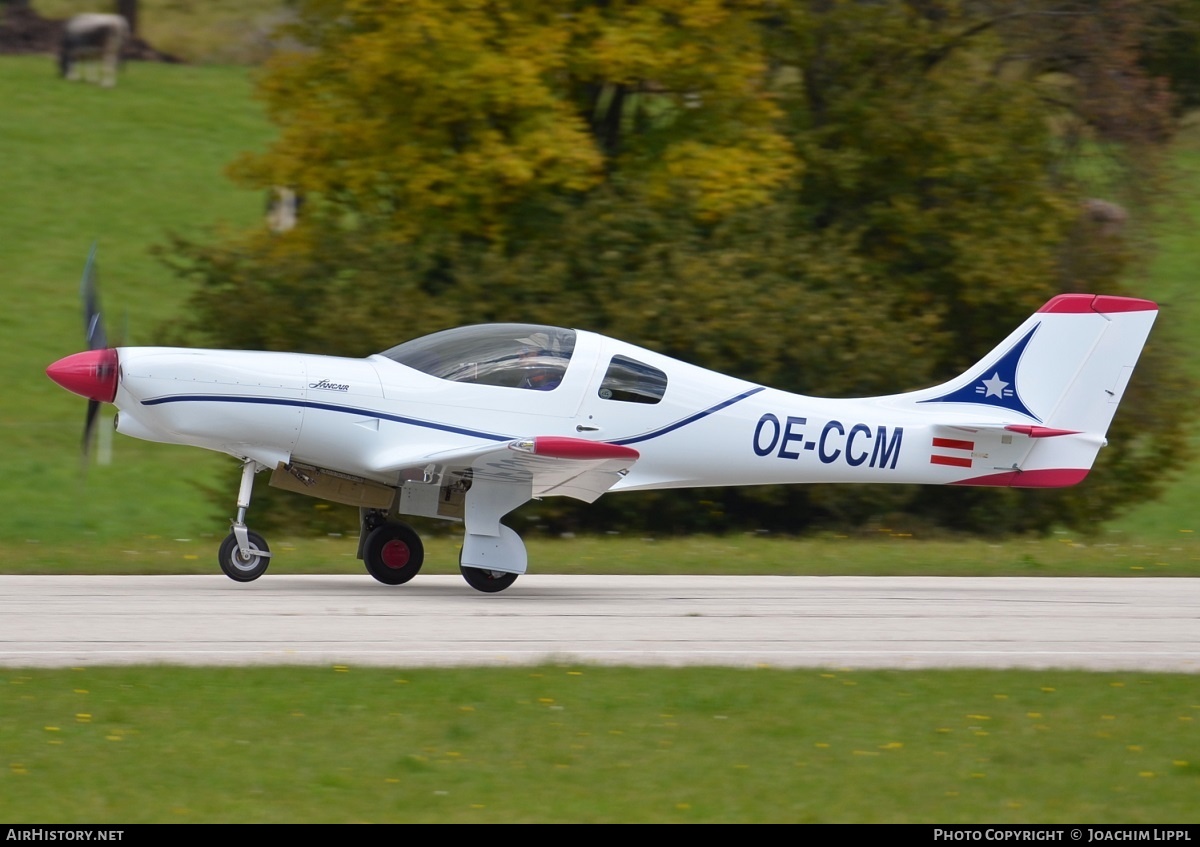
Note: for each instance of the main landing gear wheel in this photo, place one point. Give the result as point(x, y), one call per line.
point(244, 568)
point(393, 553)
point(487, 581)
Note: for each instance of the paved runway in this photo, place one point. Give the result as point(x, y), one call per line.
point(848, 622)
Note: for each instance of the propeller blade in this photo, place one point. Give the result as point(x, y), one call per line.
point(93, 323)
point(89, 425)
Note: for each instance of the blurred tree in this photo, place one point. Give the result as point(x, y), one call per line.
point(433, 117)
point(1171, 51)
point(835, 198)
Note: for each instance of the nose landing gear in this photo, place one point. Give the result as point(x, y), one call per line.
point(244, 554)
point(244, 566)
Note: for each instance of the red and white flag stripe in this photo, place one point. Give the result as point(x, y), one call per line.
point(955, 458)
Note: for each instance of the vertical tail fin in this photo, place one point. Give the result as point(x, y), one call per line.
point(1052, 387)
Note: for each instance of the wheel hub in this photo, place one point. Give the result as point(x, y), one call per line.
point(395, 554)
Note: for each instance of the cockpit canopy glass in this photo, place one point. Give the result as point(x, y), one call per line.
point(512, 355)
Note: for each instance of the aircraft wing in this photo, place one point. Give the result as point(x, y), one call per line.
point(558, 465)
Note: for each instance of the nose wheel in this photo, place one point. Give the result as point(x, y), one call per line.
point(244, 566)
point(244, 554)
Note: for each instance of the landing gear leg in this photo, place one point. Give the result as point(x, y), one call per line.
point(481, 558)
point(244, 555)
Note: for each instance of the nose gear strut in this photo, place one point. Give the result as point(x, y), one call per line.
point(244, 554)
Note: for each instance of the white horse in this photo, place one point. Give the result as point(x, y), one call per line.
point(95, 37)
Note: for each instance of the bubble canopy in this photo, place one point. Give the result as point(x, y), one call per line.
point(528, 356)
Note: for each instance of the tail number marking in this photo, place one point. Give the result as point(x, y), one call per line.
point(854, 444)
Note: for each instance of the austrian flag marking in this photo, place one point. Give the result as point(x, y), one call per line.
point(952, 452)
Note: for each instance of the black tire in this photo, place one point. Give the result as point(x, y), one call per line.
point(393, 553)
point(243, 568)
point(487, 581)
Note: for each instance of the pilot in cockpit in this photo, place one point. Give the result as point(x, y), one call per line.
point(541, 368)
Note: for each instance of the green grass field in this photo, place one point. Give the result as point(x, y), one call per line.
point(122, 167)
point(590, 744)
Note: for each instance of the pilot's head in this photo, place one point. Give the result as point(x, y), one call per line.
point(536, 362)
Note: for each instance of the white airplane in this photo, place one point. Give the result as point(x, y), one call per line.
point(467, 424)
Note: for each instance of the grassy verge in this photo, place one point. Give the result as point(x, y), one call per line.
point(887, 555)
point(590, 744)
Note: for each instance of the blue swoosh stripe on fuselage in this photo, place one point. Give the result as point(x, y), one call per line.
point(491, 436)
point(326, 407)
point(655, 433)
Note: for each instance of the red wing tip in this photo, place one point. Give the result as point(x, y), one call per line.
point(1101, 303)
point(565, 447)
